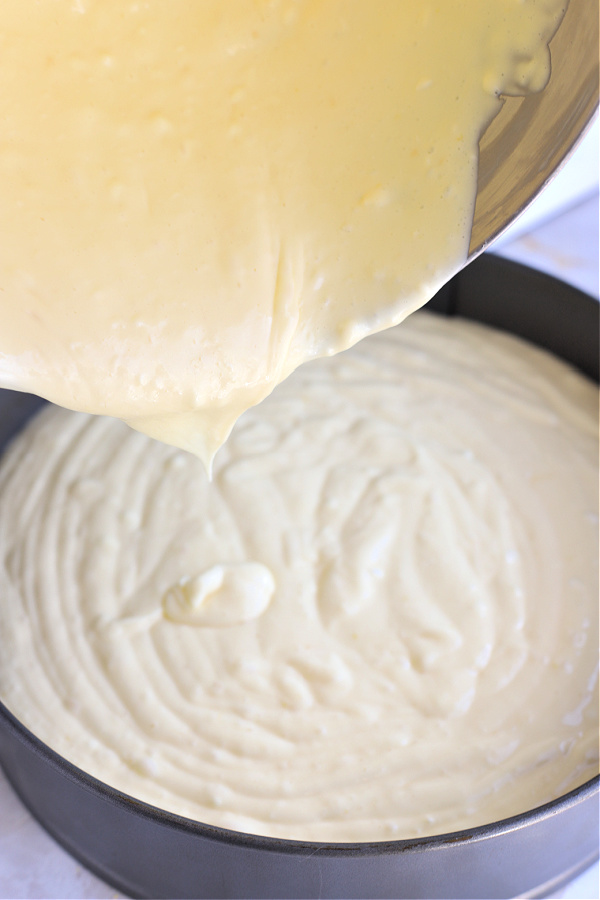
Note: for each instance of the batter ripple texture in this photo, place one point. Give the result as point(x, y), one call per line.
point(378, 621)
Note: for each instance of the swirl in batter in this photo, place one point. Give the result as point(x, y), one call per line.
point(379, 620)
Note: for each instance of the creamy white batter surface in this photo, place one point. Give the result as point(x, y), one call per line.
point(378, 621)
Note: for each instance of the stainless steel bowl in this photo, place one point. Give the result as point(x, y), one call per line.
point(532, 136)
point(149, 853)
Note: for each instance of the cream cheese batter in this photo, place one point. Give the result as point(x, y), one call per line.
point(196, 197)
point(378, 621)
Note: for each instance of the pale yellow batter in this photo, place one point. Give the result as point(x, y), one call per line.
point(379, 620)
point(196, 197)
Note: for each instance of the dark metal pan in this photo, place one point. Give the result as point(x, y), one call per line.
point(146, 852)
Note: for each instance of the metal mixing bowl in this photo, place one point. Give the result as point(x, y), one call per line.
point(146, 852)
point(532, 136)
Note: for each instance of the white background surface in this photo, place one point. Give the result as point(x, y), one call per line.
point(32, 865)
